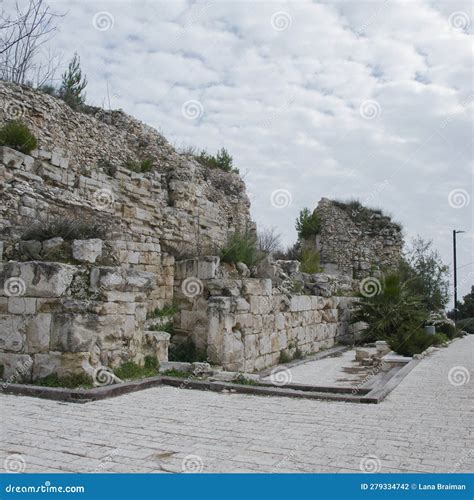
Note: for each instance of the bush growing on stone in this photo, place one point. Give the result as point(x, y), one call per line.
point(310, 261)
point(222, 160)
point(17, 135)
point(140, 167)
point(242, 247)
point(307, 224)
point(65, 228)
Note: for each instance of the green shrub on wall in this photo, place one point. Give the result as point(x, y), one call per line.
point(307, 224)
point(17, 135)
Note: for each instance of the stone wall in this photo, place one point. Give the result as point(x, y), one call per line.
point(79, 168)
point(68, 319)
point(246, 324)
point(358, 241)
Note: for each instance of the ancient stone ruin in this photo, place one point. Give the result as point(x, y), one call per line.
point(74, 303)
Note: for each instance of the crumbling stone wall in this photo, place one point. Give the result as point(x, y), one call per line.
point(79, 167)
point(244, 324)
point(358, 242)
point(68, 319)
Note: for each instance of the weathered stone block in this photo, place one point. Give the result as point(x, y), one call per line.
point(74, 332)
point(21, 305)
point(38, 333)
point(16, 368)
point(87, 250)
point(12, 330)
point(38, 279)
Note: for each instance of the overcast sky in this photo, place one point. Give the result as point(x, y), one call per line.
point(370, 100)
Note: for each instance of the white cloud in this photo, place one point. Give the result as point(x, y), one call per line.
point(287, 103)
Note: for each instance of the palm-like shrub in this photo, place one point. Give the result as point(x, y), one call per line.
point(391, 311)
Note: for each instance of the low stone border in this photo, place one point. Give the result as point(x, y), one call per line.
point(374, 395)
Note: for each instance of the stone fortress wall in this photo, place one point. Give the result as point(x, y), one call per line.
point(68, 307)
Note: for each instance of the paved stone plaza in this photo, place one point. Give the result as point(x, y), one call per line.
point(424, 425)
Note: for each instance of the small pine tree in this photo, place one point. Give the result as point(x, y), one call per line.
point(307, 224)
point(73, 84)
point(224, 160)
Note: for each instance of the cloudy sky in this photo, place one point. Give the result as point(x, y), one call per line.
point(348, 99)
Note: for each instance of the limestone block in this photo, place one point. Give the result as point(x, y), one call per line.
point(87, 250)
point(21, 305)
point(241, 305)
point(207, 267)
point(38, 279)
point(243, 269)
point(51, 244)
point(330, 315)
point(37, 331)
point(45, 364)
point(12, 333)
point(260, 304)
point(251, 346)
point(265, 343)
point(74, 332)
point(1, 251)
point(31, 249)
point(280, 321)
point(10, 157)
point(16, 368)
point(275, 342)
point(3, 305)
point(255, 286)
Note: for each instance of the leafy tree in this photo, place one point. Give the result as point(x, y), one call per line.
point(73, 84)
point(426, 274)
point(307, 224)
point(466, 307)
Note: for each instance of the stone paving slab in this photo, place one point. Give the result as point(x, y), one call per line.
point(424, 425)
